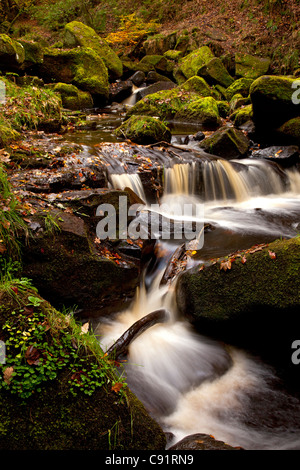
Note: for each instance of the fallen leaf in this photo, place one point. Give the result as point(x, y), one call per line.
point(272, 254)
point(32, 356)
point(225, 265)
point(117, 387)
point(7, 375)
point(244, 259)
point(85, 328)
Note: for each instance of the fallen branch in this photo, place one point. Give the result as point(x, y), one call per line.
point(120, 347)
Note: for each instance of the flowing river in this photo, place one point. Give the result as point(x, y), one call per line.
point(188, 382)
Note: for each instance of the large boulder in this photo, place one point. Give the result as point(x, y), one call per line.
point(250, 66)
point(289, 132)
point(73, 98)
point(226, 142)
point(78, 34)
point(12, 54)
point(215, 73)
point(250, 298)
point(271, 97)
point(179, 105)
point(192, 63)
point(144, 130)
point(59, 388)
point(241, 86)
point(81, 67)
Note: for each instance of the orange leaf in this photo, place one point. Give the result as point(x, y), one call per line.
point(117, 387)
point(272, 254)
point(7, 374)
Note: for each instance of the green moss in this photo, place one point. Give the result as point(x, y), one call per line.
point(215, 73)
point(290, 131)
point(72, 98)
point(144, 130)
point(78, 34)
point(11, 51)
point(58, 388)
point(242, 115)
point(157, 62)
point(203, 111)
point(271, 97)
point(173, 55)
point(198, 85)
point(249, 66)
point(191, 63)
point(226, 142)
point(241, 86)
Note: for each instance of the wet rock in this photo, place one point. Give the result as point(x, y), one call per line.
point(120, 90)
point(72, 97)
point(272, 102)
point(250, 298)
point(201, 442)
point(226, 142)
point(138, 78)
point(285, 156)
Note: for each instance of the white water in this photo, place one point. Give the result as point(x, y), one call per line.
point(188, 382)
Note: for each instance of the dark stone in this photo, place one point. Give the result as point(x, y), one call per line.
point(284, 155)
point(138, 78)
point(201, 442)
point(120, 90)
point(199, 136)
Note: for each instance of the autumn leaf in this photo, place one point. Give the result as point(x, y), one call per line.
point(32, 356)
point(7, 375)
point(272, 254)
point(85, 328)
point(117, 387)
point(244, 259)
point(225, 265)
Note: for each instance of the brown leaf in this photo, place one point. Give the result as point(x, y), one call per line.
point(244, 259)
point(7, 374)
point(225, 265)
point(117, 387)
point(32, 355)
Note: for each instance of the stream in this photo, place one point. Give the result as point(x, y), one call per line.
point(190, 383)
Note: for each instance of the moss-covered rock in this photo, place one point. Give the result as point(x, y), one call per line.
point(271, 97)
point(160, 43)
point(290, 131)
point(254, 302)
point(173, 55)
point(190, 64)
point(158, 62)
point(226, 142)
point(144, 130)
point(203, 111)
point(12, 54)
point(72, 97)
point(7, 133)
point(241, 86)
point(224, 108)
point(215, 73)
point(250, 66)
point(237, 101)
point(179, 105)
point(81, 67)
point(242, 115)
point(57, 388)
point(34, 53)
point(78, 34)
point(197, 85)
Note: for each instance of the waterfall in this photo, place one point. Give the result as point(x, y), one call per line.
point(126, 180)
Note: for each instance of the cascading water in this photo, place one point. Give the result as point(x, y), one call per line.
point(192, 384)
